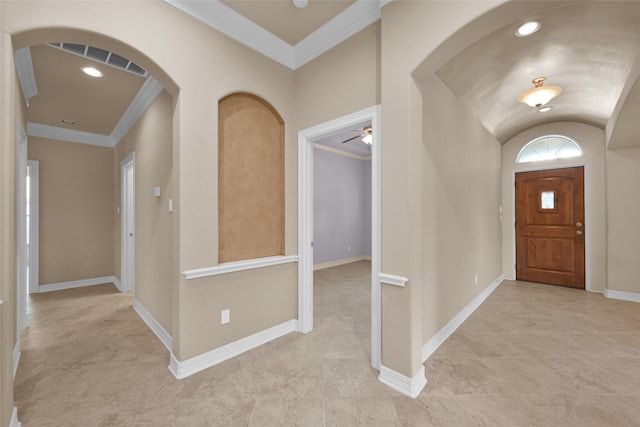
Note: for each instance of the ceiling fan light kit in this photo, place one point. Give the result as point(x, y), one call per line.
point(539, 95)
point(365, 134)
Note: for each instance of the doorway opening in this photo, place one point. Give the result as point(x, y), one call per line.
point(306, 140)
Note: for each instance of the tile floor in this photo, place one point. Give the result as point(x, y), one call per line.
point(531, 355)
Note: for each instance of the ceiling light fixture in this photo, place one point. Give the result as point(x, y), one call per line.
point(544, 109)
point(300, 4)
point(93, 72)
point(527, 28)
point(539, 95)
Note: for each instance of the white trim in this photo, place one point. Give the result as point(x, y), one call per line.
point(224, 19)
point(34, 229)
point(211, 358)
point(392, 279)
point(351, 21)
point(22, 287)
point(153, 324)
point(116, 282)
point(16, 356)
point(26, 75)
point(441, 336)
point(145, 96)
point(329, 264)
point(69, 135)
point(14, 418)
point(626, 296)
point(587, 216)
point(232, 267)
point(76, 284)
point(127, 260)
point(340, 152)
point(306, 138)
point(408, 386)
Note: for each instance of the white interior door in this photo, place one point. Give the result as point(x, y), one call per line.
point(127, 266)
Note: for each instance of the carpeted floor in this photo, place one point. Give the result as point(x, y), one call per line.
point(531, 355)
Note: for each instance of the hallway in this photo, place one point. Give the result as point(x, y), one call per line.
point(530, 355)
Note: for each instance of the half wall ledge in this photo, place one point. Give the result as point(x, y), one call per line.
point(231, 267)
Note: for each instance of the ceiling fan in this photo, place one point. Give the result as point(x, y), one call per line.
point(366, 134)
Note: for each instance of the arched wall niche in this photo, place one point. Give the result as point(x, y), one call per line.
point(251, 197)
point(73, 35)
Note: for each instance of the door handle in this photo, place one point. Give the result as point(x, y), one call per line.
point(578, 232)
point(578, 224)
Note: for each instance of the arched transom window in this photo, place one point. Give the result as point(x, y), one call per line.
point(548, 148)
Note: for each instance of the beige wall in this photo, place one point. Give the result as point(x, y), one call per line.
point(623, 219)
point(591, 139)
point(343, 80)
point(411, 34)
point(76, 210)
point(151, 140)
point(197, 66)
point(11, 109)
point(249, 297)
point(461, 196)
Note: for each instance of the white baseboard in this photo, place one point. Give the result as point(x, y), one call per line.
point(206, 360)
point(153, 324)
point(408, 386)
point(16, 356)
point(338, 262)
point(626, 296)
point(116, 282)
point(14, 418)
point(440, 337)
point(77, 284)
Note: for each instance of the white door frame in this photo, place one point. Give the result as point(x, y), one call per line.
point(127, 237)
point(587, 217)
point(306, 139)
point(21, 213)
point(34, 226)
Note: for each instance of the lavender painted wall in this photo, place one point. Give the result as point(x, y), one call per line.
point(341, 207)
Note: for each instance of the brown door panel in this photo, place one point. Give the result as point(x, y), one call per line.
point(550, 226)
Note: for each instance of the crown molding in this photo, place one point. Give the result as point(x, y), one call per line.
point(70, 135)
point(24, 68)
point(222, 18)
point(351, 21)
point(145, 96)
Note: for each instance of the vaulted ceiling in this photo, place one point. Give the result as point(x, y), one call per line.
point(590, 49)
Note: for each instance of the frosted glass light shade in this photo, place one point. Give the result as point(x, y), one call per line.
point(539, 95)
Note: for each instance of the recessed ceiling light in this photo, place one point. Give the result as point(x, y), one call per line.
point(544, 109)
point(93, 72)
point(528, 28)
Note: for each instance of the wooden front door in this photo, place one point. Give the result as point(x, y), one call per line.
point(550, 227)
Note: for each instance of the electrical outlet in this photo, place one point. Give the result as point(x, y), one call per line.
point(476, 279)
point(225, 316)
point(348, 248)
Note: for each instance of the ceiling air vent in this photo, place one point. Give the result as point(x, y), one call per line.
point(102, 56)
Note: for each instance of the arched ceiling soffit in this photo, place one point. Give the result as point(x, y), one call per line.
point(587, 48)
